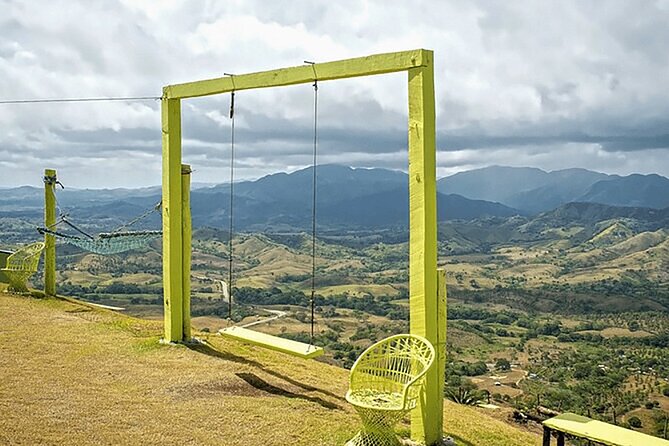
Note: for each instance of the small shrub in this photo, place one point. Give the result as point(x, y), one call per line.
point(634, 422)
point(503, 364)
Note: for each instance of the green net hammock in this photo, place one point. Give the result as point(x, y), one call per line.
point(108, 243)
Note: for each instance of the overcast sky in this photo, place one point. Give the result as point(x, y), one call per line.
point(548, 84)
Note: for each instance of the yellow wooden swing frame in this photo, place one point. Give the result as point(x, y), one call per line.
point(426, 287)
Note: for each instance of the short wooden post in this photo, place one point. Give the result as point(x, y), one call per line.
point(186, 234)
point(560, 440)
point(49, 240)
point(547, 436)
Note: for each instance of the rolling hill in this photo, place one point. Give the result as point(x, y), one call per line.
point(591, 213)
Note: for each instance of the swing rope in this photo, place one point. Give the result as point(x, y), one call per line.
point(232, 185)
point(313, 210)
point(312, 299)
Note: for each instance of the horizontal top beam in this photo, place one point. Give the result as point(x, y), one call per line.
point(341, 69)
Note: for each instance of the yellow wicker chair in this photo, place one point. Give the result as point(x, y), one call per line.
point(385, 383)
point(21, 265)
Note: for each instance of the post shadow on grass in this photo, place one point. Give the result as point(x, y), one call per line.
point(261, 384)
point(306, 387)
point(227, 356)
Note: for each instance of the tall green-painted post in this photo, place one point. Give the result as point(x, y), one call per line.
point(172, 220)
point(426, 314)
point(49, 240)
point(186, 234)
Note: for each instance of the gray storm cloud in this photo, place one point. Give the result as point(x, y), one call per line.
point(551, 84)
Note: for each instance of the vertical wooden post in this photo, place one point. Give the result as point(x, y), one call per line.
point(440, 346)
point(172, 220)
point(427, 419)
point(547, 437)
point(186, 234)
point(560, 439)
point(49, 240)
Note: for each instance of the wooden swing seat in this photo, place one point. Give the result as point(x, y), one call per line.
point(597, 431)
point(288, 346)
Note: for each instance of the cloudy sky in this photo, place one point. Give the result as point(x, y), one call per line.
point(550, 84)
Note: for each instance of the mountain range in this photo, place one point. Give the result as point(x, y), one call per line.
point(533, 190)
point(355, 198)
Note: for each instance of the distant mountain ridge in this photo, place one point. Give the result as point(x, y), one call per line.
point(534, 190)
point(346, 198)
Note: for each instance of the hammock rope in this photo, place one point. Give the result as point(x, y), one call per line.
point(105, 243)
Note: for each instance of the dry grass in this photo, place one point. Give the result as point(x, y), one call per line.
point(612, 332)
point(474, 426)
point(359, 290)
point(73, 375)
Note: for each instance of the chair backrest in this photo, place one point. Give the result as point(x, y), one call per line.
point(396, 365)
point(26, 258)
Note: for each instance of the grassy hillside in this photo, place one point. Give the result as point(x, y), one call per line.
point(74, 375)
